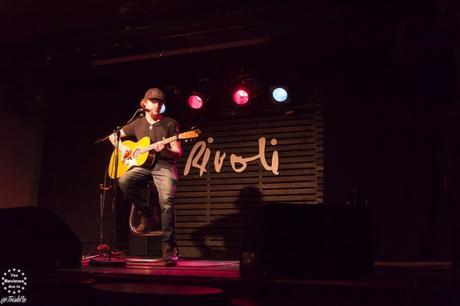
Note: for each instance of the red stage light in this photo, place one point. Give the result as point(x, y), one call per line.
point(195, 101)
point(240, 96)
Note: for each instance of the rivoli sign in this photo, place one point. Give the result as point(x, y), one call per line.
point(238, 163)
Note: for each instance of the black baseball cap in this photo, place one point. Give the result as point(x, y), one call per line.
point(155, 94)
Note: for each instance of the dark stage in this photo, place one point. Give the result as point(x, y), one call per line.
point(212, 282)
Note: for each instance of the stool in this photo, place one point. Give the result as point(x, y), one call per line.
point(150, 188)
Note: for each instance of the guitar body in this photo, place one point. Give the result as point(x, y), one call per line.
point(135, 159)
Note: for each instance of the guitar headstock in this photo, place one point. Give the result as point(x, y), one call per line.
point(189, 134)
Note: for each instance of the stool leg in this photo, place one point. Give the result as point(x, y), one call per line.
point(146, 249)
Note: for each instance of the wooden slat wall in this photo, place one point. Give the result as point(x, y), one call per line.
point(214, 209)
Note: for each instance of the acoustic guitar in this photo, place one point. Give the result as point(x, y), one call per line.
point(141, 153)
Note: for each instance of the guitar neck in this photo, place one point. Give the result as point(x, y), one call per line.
point(163, 141)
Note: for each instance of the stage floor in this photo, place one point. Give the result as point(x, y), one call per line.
point(392, 283)
point(153, 269)
point(228, 270)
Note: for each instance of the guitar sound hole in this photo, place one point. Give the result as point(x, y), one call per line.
point(136, 153)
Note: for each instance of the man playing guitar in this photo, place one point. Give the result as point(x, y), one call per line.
point(162, 171)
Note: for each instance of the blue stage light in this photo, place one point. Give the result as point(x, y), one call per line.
point(280, 94)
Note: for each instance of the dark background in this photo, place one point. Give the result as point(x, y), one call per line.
point(386, 71)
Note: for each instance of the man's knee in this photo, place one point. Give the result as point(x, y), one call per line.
point(123, 183)
point(167, 203)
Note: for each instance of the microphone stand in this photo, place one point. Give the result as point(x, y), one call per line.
point(111, 261)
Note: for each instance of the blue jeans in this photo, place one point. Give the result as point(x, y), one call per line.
point(164, 176)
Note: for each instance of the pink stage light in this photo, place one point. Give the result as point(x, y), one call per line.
point(241, 96)
point(195, 101)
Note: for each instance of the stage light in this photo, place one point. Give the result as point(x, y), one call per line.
point(280, 94)
point(240, 96)
point(195, 101)
point(163, 109)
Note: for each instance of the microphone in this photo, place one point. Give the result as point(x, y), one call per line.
point(143, 110)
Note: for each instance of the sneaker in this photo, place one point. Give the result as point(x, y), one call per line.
point(145, 225)
point(175, 253)
point(170, 256)
point(169, 262)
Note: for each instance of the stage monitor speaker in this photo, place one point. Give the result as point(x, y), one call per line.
point(309, 242)
point(36, 238)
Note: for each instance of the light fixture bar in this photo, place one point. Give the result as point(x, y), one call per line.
point(166, 53)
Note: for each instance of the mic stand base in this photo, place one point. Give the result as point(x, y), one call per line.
point(108, 258)
point(105, 261)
